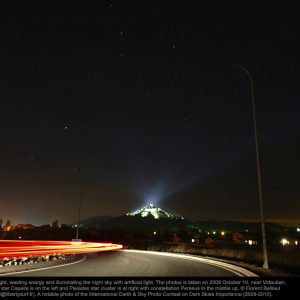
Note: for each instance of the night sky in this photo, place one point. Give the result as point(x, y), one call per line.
point(142, 98)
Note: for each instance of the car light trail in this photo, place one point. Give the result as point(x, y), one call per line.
point(17, 248)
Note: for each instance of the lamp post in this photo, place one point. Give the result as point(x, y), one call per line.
point(263, 229)
point(80, 204)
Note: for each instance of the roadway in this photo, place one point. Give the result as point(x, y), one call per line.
point(139, 263)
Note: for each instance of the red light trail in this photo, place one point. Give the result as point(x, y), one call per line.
point(17, 248)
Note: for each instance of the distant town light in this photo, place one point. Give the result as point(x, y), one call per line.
point(251, 242)
point(193, 240)
point(284, 242)
point(20, 237)
point(154, 232)
point(223, 233)
point(298, 229)
point(214, 232)
point(296, 243)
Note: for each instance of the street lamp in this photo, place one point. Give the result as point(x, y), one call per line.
point(80, 204)
point(263, 229)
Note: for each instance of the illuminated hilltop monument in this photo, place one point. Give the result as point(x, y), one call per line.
point(155, 212)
